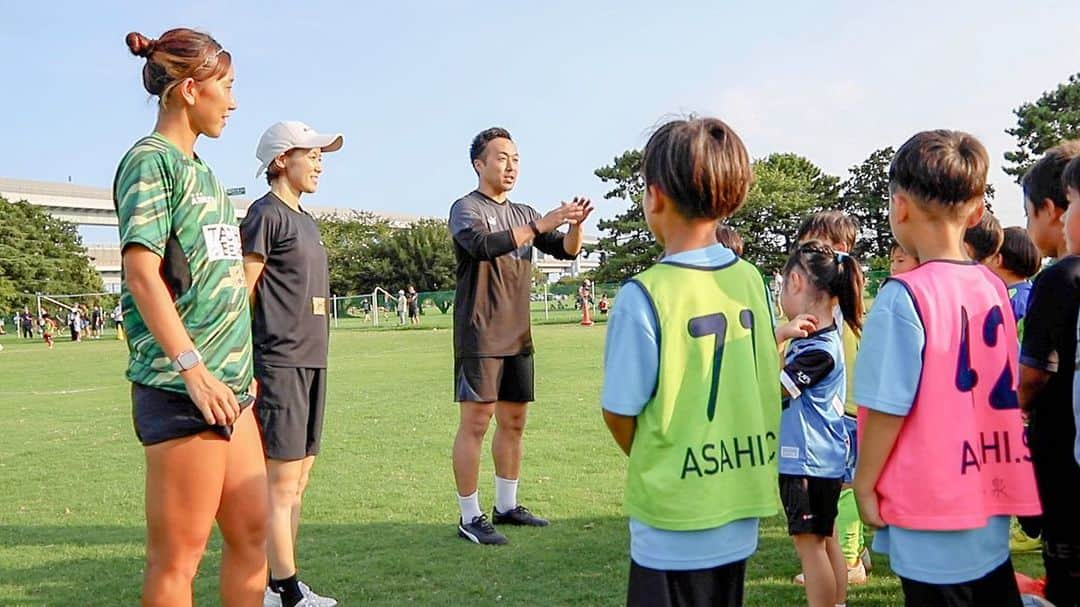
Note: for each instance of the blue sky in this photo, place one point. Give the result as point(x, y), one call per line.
point(409, 84)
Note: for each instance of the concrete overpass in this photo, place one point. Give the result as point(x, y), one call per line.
point(89, 206)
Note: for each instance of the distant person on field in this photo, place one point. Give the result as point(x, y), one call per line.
point(48, 327)
point(730, 238)
point(691, 384)
point(493, 349)
point(402, 307)
point(97, 321)
point(414, 305)
point(27, 322)
point(74, 321)
point(585, 293)
point(604, 305)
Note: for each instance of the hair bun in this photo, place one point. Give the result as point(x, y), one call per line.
point(140, 45)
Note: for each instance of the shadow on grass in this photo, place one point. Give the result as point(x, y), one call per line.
point(579, 561)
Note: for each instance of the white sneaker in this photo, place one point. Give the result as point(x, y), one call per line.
point(314, 599)
point(271, 599)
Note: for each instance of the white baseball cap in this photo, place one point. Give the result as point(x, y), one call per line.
point(289, 135)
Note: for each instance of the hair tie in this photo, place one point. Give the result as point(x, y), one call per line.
point(841, 256)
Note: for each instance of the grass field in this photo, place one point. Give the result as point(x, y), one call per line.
point(379, 516)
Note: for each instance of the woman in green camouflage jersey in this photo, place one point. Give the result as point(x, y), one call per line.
point(189, 332)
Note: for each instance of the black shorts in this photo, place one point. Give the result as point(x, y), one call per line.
point(162, 415)
point(810, 503)
point(995, 589)
point(718, 587)
point(486, 380)
point(290, 409)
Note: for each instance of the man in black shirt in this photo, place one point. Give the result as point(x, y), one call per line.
point(1047, 363)
point(493, 364)
point(286, 270)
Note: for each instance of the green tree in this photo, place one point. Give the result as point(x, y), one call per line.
point(40, 254)
point(351, 250)
point(786, 189)
point(865, 197)
point(1052, 118)
point(421, 255)
point(628, 247)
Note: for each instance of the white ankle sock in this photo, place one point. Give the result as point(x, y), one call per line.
point(505, 494)
point(470, 507)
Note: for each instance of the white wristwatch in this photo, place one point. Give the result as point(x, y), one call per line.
point(186, 361)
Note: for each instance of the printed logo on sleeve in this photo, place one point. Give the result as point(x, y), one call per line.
point(222, 242)
point(789, 452)
point(203, 199)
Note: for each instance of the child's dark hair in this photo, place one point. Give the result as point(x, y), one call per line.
point(943, 168)
point(1044, 179)
point(829, 226)
point(984, 238)
point(894, 246)
point(728, 237)
point(701, 165)
point(1070, 177)
point(835, 273)
point(1018, 253)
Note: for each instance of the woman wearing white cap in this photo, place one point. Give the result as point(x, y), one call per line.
point(286, 270)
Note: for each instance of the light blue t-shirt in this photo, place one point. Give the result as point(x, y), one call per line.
point(887, 377)
point(813, 436)
point(631, 368)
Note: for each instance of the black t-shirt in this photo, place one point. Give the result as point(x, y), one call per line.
point(1050, 345)
point(290, 317)
point(491, 306)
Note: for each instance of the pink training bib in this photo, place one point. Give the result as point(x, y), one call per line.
point(961, 456)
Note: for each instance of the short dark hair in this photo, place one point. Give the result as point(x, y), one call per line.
point(1070, 177)
point(1044, 179)
point(1018, 253)
point(479, 143)
point(730, 238)
point(985, 237)
point(829, 226)
point(942, 167)
point(701, 164)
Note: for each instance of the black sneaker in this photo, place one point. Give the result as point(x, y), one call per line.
point(518, 516)
point(480, 531)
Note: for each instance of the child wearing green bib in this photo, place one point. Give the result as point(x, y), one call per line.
point(690, 391)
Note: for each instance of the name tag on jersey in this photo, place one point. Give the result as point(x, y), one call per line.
point(222, 242)
point(202, 199)
point(318, 306)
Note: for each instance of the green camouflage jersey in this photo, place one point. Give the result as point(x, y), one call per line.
point(174, 206)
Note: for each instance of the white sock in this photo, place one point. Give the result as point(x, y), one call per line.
point(470, 507)
point(505, 494)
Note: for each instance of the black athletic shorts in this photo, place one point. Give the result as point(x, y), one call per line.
point(486, 380)
point(810, 503)
point(290, 408)
point(161, 415)
point(717, 587)
point(995, 589)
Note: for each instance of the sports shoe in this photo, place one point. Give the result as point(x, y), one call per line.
point(480, 531)
point(273, 599)
point(1020, 541)
point(520, 516)
point(315, 599)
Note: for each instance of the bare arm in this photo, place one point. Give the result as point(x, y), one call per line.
point(142, 272)
point(875, 445)
point(622, 429)
point(1032, 381)
point(253, 267)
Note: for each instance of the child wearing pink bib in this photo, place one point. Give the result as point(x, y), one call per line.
point(943, 463)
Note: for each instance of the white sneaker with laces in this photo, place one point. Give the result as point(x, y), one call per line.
point(271, 599)
point(315, 599)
